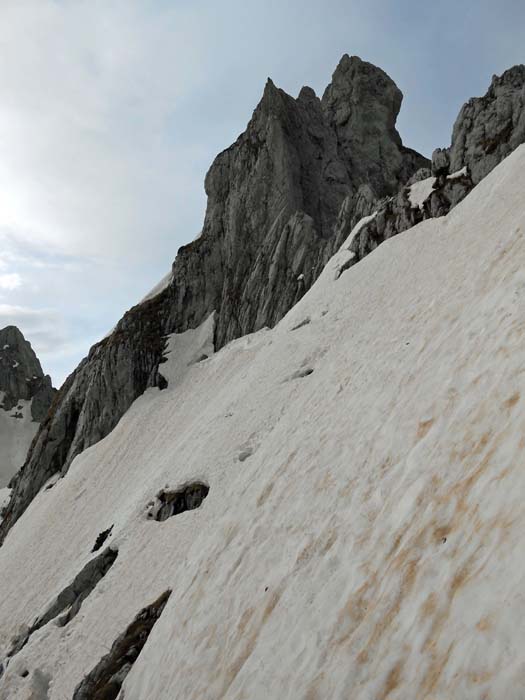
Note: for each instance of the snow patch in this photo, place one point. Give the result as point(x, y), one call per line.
point(420, 191)
point(459, 173)
point(186, 349)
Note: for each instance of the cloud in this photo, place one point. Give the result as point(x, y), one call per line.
point(10, 280)
point(42, 327)
point(85, 162)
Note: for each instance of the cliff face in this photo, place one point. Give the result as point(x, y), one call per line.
point(26, 395)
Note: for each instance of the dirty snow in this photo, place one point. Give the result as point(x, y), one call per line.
point(370, 547)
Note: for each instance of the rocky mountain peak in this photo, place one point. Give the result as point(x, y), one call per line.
point(361, 104)
point(21, 375)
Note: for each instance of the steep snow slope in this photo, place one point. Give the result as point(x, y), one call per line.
point(369, 543)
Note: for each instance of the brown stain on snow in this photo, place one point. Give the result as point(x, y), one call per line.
point(236, 666)
point(392, 681)
point(512, 401)
point(423, 428)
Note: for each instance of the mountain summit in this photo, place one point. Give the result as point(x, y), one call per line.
point(26, 395)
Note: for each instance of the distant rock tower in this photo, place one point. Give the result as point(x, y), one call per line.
point(25, 397)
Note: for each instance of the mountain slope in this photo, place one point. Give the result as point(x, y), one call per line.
point(274, 203)
point(362, 533)
point(25, 396)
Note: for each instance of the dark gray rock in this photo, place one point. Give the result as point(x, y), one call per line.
point(105, 680)
point(361, 104)
point(488, 128)
point(21, 375)
point(440, 162)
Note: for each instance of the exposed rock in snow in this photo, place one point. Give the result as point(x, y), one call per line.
point(105, 680)
point(25, 397)
point(370, 547)
point(169, 503)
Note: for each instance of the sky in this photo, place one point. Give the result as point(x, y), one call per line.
point(111, 112)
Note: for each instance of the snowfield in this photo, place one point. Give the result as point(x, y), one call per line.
point(370, 545)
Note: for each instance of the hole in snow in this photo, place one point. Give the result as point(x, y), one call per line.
point(171, 503)
point(101, 538)
point(105, 680)
point(69, 600)
point(302, 323)
point(245, 454)
point(300, 373)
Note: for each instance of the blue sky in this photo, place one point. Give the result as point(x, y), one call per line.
point(112, 111)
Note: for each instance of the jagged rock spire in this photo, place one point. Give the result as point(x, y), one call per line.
point(21, 375)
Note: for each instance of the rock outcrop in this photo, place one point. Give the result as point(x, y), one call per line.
point(486, 131)
point(274, 200)
point(488, 128)
point(25, 397)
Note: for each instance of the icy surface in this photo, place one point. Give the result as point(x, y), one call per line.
point(17, 430)
point(369, 547)
point(419, 191)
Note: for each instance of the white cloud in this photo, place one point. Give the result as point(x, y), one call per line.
point(10, 281)
point(85, 162)
point(43, 327)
